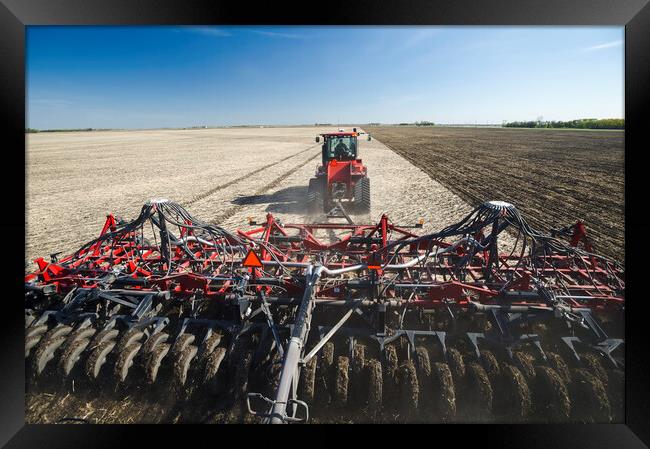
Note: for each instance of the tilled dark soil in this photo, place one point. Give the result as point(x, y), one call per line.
point(554, 177)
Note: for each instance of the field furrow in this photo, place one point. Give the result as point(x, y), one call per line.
point(554, 177)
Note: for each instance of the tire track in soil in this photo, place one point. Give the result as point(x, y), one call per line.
point(214, 190)
point(234, 209)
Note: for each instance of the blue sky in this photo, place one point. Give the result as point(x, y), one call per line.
point(149, 77)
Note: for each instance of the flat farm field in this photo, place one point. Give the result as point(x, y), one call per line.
point(554, 177)
point(223, 176)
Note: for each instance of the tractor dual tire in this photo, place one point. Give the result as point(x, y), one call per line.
point(362, 195)
point(316, 196)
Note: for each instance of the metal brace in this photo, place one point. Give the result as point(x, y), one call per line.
point(269, 320)
point(283, 417)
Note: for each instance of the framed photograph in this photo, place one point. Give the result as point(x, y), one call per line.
point(397, 214)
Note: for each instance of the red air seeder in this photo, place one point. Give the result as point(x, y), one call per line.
point(287, 316)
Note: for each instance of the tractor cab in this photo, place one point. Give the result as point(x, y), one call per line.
point(341, 178)
point(339, 146)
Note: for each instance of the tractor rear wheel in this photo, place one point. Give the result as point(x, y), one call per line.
point(362, 195)
point(315, 196)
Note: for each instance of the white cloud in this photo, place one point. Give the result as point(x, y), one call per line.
point(50, 102)
point(419, 36)
point(278, 35)
point(207, 31)
point(612, 44)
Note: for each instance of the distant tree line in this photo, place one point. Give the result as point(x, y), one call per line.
point(34, 130)
point(587, 123)
point(422, 123)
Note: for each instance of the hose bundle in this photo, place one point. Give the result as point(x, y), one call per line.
point(537, 248)
point(165, 218)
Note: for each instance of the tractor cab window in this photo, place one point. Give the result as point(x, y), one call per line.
point(341, 147)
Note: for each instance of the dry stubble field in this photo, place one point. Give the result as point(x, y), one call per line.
point(219, 175)
point(554, 177)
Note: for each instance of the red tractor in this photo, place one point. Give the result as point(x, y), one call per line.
point(342, 179)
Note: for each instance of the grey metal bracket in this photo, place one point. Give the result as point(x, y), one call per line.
point(593, 325)
point(283, 417)
point(525, 338)
point(62, 318)
point(608, 346)
point(411, 334)
point(508, 344)
point(473, 339)
point(143, 307)
point(569, 341)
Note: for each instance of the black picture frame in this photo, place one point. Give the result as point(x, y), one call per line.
point(16, 14)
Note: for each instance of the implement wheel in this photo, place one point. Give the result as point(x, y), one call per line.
point(36, 330)
point(556, 362)
point(594, 364)
point(48, 346)
point(479, 392)
point(456, 366)
point(45, 352)
point(241, 373)
point(591, 404)
point(526, 363)
point(30, 342)
point(207, 347)
point(341, 381)
point(124, 361)
point(444, 393)
point(409, 388)
point(324, 372)
point(180, 344)
point(182, 363)
point(154, 341)
point(490, 364)
point(97, 358)
point(551, 395)
point(72, 355)
point(390, 375)
point(308, 380)
point(357, 373)
point(102, 336)
point(154, 361)
point(375, 386)
point(516, 397)
point(80, 334)
point(211, 371)
point(129, 337)
point(616, 390)
point(424, 375)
